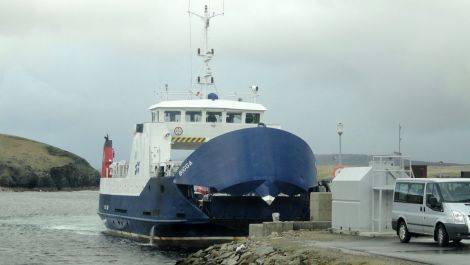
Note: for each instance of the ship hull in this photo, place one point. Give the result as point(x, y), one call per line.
point(171, 235)
point(238, 169)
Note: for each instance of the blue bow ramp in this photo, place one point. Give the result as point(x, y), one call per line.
point(258, 161)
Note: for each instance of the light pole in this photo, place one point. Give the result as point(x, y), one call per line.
point(399, 139)
point(339, 130)
point(441, 165)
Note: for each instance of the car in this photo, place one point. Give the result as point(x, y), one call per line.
point(437, 207)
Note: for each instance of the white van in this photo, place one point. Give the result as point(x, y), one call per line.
point(434, 206)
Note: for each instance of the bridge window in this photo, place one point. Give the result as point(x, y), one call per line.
point(233, 117)
point(193, 116)
point(252, 118)
point(172, 116)
point(213, 116)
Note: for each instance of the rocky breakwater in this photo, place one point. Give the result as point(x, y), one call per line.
point(288, 248)
point(241, 252)
point(31, 165)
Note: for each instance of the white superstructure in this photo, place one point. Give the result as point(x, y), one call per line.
point(181, 125)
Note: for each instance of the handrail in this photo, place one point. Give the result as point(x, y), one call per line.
point(189, 94)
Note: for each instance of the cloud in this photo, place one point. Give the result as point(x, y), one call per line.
point(71, 71)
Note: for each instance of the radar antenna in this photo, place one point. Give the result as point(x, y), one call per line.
point(206, 54)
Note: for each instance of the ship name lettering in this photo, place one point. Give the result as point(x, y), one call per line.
point(184, 168)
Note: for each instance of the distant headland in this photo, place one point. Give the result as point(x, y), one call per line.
point(29, 165)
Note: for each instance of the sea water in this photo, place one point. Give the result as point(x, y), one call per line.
point(63, 228)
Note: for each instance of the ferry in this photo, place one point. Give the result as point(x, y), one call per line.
point(238, 169)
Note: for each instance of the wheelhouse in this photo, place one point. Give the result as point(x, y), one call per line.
point(206, 111)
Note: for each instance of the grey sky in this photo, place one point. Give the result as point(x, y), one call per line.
point(72, 71)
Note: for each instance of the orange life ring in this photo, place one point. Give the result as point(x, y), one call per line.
point(336, 170)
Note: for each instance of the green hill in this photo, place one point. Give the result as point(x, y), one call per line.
point(29, 164)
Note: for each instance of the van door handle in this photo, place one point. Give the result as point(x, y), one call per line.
point(420, 208)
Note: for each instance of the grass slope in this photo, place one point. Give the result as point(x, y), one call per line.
point(29, 164)
point(23, 152)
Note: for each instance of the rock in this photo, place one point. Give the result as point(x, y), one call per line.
point(240, 248)
point(230, 261)
point(260, 261)
point(279, 259)
point(198, 254)
point(295, 261)
point(225, 255)
point(209, 248)
point(247, 257)
point(262, 251)
point(274, 234)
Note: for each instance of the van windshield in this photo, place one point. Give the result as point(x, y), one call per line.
point(455, 191)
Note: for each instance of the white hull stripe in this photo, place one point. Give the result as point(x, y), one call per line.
point(141, 219)
point(194, 238)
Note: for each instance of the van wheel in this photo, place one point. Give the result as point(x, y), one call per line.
point(403, 233)
point(442, 236)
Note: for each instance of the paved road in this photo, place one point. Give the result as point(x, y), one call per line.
point(423, 249)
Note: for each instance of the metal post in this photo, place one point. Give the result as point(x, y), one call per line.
point(440, 168)
point(380, 210)
point(340, 156)
point(399, 139)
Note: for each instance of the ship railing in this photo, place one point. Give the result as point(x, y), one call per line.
point(178, 95)
point(274, 125)
point(119, 169)
point(166, 169)
point(388, 168)
point(174, 167)
point(391, 163)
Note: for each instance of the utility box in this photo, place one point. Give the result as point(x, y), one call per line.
point(362, 196)
point(351, 199)
point(465, 174)
point(419, 171)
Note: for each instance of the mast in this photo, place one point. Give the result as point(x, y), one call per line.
point(206, 54)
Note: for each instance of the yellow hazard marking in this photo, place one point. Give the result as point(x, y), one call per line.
point(188, 139)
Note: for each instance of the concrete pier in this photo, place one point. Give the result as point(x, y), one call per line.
point(268, 228)
point(320, 218)
point(320, 206)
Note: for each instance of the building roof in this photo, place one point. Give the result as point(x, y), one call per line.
point(208, 104)
point(439, 180)
point(352, 174)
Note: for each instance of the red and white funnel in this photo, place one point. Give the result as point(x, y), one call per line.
point(108, 155)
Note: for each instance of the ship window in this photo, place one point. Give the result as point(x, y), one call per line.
point(172, 116)
point(233, 117)
point(252, 118)
point(213, 116)
point(193, 116)
point(153, 116)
